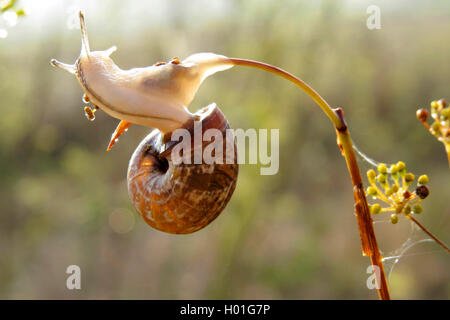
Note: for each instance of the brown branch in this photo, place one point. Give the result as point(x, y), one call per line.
point(362, 212)
point(421, 226)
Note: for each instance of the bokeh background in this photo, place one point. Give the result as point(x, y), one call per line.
point(289, 236)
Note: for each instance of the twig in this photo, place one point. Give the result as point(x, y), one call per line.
point(365, 223)
point(421, 226)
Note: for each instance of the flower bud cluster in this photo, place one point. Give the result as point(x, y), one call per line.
point(390, 185)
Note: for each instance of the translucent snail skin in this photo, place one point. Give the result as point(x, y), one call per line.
point(171, 197)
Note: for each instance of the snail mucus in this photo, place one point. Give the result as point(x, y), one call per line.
point(171, 195)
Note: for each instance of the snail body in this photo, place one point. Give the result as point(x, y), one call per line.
point(170, 195)
point(156, 96)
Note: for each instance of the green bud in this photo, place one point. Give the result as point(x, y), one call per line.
point(381, 178)
point(394, 218)
point(435, 126)
point(407, 210)
point(434, 105)
point(371, 175)
point(395, 188)
point(401, 167)
point(409, 177)
point(371, 191)
point(382, 168)
point(393, 169)
point(417, 209)
point(375, 208)
point(423, 179)
point(446, 113)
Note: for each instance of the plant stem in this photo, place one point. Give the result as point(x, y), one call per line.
point(365, 223)
point(421, 226)
point(364, 220)
point(284, 74)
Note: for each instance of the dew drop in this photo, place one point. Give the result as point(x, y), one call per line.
point(85, 98)
point(90, 117)
point(116, 140)
point(89, 114)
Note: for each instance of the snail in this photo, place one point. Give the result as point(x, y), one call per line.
point(171, 196)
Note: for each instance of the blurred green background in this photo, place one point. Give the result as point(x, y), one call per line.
point(289, 236)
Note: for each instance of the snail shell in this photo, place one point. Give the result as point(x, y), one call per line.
point(182, 198)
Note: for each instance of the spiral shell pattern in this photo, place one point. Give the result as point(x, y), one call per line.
point(182, 198)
